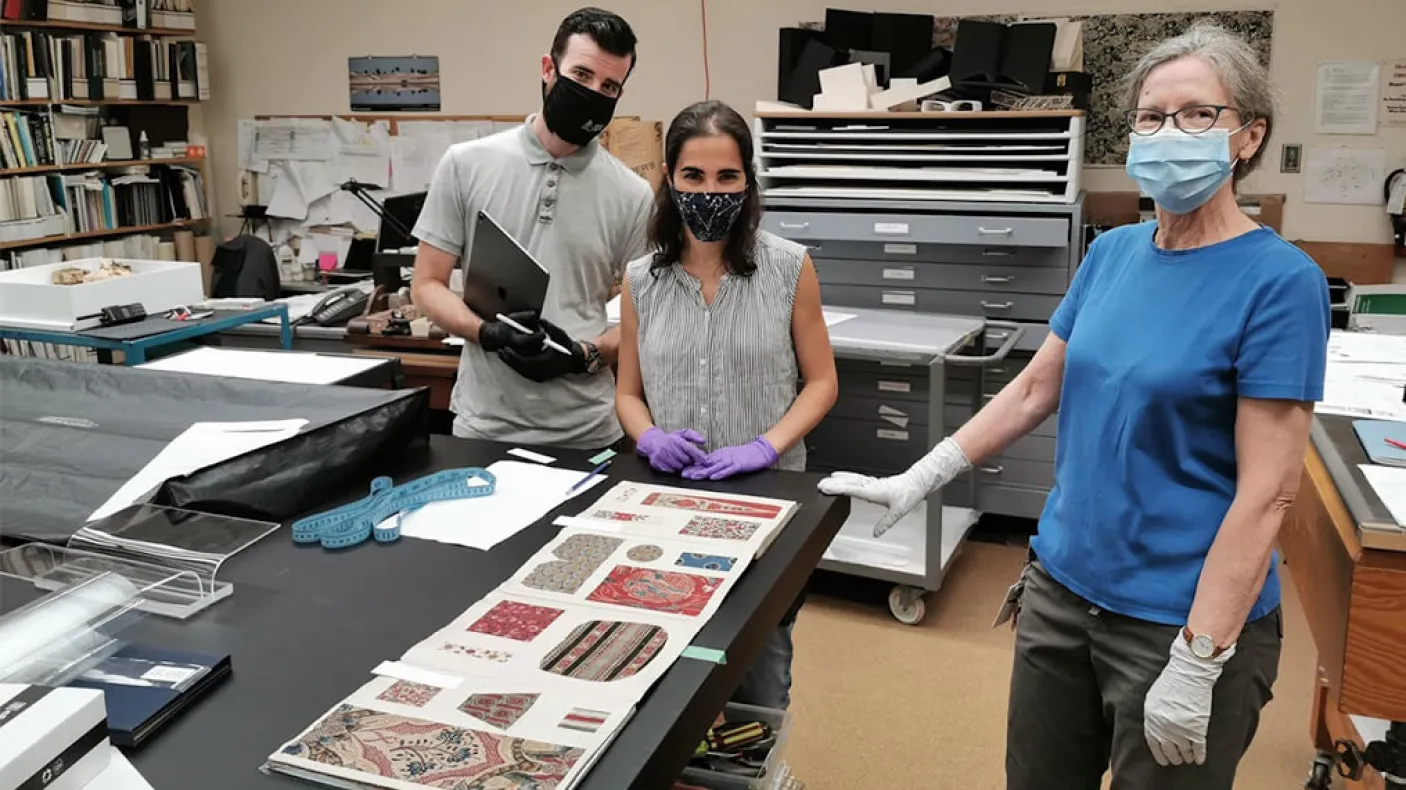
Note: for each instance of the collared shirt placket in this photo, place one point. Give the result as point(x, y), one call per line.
point(551, 190)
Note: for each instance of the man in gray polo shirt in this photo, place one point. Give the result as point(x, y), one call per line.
point(579, 211)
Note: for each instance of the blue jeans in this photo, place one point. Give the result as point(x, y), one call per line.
point(768, 683)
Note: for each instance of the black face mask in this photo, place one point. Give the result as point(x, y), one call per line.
point(710, 215)
point(574, 112)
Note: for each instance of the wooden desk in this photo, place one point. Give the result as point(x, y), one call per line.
point(1348, 561)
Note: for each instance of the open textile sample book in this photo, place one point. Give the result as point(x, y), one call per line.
point(533, 682)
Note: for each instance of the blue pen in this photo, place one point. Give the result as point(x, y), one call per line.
point(601, 467)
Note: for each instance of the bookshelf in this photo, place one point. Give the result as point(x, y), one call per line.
point(69, 77)
point(104, 165)
point(42, 241)
point(95, 27)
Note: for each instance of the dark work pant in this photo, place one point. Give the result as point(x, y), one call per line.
point(1077, 689)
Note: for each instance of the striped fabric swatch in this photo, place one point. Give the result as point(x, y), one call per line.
point(584, 719)
point(605, 650)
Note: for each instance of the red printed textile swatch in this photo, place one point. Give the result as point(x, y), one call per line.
point(668, 592)
point(403, 692)
point(430, 754)
point(706, 504)
point(523, 622)
point(500, 710)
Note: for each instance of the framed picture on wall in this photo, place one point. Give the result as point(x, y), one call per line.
point(391, 84)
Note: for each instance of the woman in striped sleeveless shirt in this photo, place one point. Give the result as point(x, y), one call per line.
point(725, 362)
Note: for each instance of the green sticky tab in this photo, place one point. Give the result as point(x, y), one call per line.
point(704, 654)
point(605, 455)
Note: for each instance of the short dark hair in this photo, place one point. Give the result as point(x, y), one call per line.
point(609, 30)
point(666, 226)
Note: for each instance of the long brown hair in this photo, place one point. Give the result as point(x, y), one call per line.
point(666, 226)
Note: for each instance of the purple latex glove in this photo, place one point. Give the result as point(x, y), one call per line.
point(735, 460)
point(670, 452)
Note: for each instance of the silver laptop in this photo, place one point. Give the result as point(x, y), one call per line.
point(501, 277)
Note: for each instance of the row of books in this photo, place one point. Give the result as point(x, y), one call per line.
point(26, 140)
point(101, 66)
point(34, 348)
point(137, 14)
point(33, 207)
point(138, 246)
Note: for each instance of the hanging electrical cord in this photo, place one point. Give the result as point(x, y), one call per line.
point(707, 76)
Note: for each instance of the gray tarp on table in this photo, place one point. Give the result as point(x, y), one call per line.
point(71, 434)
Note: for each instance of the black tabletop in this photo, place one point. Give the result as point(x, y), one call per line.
point(305, 626)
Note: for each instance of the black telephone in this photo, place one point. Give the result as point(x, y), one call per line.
point(338, 307)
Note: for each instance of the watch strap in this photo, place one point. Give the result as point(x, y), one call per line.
point(594, 360)
point(1186, 634)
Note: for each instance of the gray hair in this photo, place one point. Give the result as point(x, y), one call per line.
point(1234, 61)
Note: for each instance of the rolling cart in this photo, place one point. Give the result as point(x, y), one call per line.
point(894, 406)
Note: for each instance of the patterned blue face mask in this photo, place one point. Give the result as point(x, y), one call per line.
point(1181, 171)
point(710, 215)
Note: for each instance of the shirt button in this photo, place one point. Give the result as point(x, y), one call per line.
point(703, 362)
point(549, 201)
point(552, 182)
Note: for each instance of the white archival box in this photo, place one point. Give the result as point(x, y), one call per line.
point(29, 298)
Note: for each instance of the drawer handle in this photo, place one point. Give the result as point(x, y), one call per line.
point(997, 371)
point(998, 305)
point(998, 337)
point(813, 247)
point(994, 280)
point(996, 252)
point(992, 470)
point(992, 231)
point(794, 225)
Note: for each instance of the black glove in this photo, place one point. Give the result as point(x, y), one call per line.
point(494, 335)
point(546, 363)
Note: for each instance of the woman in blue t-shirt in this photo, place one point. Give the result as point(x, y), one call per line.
point(1183, 363)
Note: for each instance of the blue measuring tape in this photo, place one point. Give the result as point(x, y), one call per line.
point(351, 524)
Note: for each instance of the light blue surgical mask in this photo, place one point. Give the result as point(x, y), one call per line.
point(1181, 171)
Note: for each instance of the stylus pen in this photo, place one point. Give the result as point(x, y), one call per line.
point(546, 341)
point(1395, 443)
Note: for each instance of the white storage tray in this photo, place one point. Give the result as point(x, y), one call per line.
point(29, 298)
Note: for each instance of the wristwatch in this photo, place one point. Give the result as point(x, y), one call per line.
point(594, 361)
point(1202, 646)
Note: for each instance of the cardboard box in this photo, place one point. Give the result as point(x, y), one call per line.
point(54, 738)
point(639, 144)
point(30, 299)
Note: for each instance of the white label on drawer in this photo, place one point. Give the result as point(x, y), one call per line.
point(895, 386)
point(897, 436)
point(900, 297)
point(900, 249)
point(898, 274)
point(891, 228)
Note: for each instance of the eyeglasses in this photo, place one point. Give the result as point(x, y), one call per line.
point(1195, 119)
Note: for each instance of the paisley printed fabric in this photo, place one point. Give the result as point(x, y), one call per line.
point(719, 528)
point(617, 515)
point(605, 650)
point(500, 710)
point(403, 692)
point(577, 558)
point(515, 620)
point(644, 553)
point(668, 592)
point(707, 562)
point(712, 505)
point(431, 754)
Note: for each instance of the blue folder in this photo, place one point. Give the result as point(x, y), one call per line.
point(145, 687)
point(1374, 434)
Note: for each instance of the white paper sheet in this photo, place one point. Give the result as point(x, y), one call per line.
point(201, 445)
point(120, 774)
point(1349, 176)
point(1394, 93)
point(832, 317)
point(288, 366)
point(287, 200)
point(246, 131)
point(1390, 484)
point(293, 138)
point(524, 493)
point(1345, 97)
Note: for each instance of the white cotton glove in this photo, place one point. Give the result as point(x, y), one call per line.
point(1177, 710)
point(901, 493)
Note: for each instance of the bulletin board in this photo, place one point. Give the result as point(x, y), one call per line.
point(1113, 43)
point(300, 160)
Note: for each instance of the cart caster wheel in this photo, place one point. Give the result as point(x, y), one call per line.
point(907, 605)
point(1320, 774)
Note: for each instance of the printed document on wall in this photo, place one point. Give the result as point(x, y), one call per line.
point(1345, 99)
point(1394, 93)
point(1349, 176)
